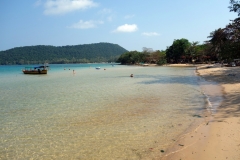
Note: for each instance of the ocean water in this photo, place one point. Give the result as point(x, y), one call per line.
point(97, 114)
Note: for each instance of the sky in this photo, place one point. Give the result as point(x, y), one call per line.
point(132, 24)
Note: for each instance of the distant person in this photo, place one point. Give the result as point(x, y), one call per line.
point(131, 75)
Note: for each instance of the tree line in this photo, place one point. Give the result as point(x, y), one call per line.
point(147, 56)
point(87, 53)
point(223, 45)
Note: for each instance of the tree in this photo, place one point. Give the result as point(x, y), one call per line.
point(234, 6)
point(161, 57)
point(131, 57)
point(135, 57)
point(232, 30)
point(218, 41)
point(191, 51)
point(177, 50)
point(224, 43)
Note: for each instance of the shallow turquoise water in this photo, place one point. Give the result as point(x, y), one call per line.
point(96, 114)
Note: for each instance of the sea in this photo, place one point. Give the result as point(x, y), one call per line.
point(79, 112)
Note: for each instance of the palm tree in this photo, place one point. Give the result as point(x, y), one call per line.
point(191, 51)
point(218, 39)
point(233, 35)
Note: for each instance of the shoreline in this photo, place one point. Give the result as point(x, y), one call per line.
point(218, 136)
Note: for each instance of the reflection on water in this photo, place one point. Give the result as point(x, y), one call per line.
point(96, 114)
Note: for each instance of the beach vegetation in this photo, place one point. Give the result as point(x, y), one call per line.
point(183, 51)
point(225, 42)
point(177, 51)
point(146, 56)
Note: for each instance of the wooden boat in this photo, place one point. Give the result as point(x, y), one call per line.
point(36, 70)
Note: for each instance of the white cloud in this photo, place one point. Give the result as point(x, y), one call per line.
point(54, 7)
point(37, 3)
point(105, 11)
point(150, 34)
point(106, 14)
point(85, 24)
point(127, 28)
point(129, 16)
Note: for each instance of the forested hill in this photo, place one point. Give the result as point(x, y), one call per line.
point(86, 53)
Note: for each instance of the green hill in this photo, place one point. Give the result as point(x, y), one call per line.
point(87, 53)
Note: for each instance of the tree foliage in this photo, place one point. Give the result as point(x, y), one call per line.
point(177, 50)
point(147, 56)
point(225, 42)
point(234, 6)
point(98, 52)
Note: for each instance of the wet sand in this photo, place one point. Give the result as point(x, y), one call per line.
point(218, 137)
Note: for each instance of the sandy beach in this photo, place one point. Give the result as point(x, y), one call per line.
point(218, 137)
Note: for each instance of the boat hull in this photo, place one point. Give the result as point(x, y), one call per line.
point(35, 72)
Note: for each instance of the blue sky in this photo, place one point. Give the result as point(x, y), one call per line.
point(132, 24)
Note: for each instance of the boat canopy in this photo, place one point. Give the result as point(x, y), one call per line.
point(41, 67)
